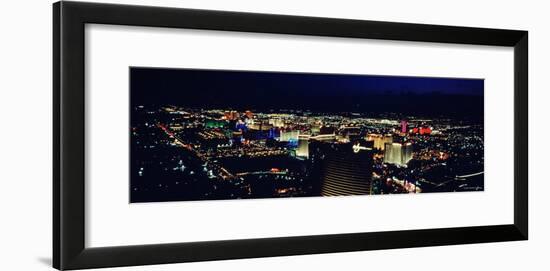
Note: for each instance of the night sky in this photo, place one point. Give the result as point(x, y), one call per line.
point(261, 91)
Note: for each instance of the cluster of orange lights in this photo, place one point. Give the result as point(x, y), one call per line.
point(234, 115)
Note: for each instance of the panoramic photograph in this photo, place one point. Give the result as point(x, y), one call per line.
point(199, 134)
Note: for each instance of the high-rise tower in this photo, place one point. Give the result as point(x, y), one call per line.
point(398, 153)
point(347, 172)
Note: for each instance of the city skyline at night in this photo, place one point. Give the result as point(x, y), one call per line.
point(214, 134)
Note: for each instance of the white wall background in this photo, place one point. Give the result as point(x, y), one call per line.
point(25, 133)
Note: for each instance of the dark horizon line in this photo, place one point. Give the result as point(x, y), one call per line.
point(197, 88)
point(270, 110)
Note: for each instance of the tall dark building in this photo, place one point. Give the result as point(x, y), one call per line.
point(345, 171)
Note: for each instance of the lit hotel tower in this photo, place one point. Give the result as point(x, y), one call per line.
point(290, 135)
point(404, 126)
point(398, 154)
point(347, 172)
point(379, 140)
point(303, 147)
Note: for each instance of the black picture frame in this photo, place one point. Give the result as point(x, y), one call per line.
point(69, 19)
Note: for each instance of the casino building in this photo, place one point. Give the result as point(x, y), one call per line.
point(398, 153)
point(380, 140)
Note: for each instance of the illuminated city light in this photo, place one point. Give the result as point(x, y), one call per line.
point(329, 139)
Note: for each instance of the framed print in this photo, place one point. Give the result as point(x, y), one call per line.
point(191, 135)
